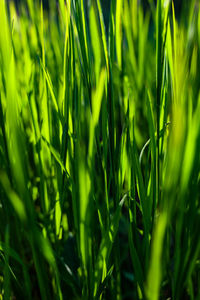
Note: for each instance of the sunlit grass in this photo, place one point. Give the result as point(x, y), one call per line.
point(99, 151)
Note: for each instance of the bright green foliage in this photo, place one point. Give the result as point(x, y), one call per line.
point(99, 150)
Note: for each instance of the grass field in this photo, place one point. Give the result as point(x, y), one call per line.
point(99, 151)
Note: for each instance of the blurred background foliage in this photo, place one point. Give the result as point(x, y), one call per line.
point(180, 5)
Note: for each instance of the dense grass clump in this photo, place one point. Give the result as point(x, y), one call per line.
point(99, 151)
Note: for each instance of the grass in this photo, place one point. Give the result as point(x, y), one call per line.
point(99, 151)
